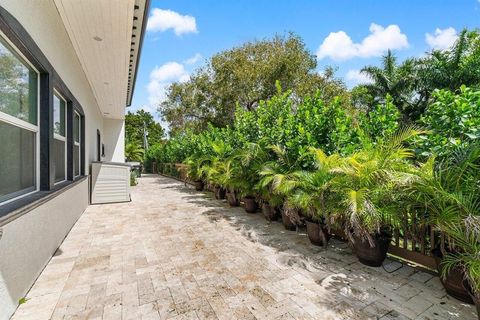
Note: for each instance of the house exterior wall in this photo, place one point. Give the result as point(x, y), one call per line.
point(28, 243)
point(114, 140)
point(43, 23)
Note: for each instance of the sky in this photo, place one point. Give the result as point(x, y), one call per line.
point(347, 34)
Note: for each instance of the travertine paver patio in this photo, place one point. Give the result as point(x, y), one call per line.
point(173, 253)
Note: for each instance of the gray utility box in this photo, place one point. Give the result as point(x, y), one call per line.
point(110, 182)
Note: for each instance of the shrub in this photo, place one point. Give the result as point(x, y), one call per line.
point(452, 120)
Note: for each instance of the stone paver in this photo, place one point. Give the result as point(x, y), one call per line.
point(173, 253)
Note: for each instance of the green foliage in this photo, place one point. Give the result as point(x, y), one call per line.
point(332, 158)
point(391, 79)
point(242, 77)
point(412, 83)
point(312, 190)
point(448, 191)
point(466, 236)
point(134, 128)
point(453, 121)
point(134, 153)
point(369, 181)
point(133, 178)
point(382, 121)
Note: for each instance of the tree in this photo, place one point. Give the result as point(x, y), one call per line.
point(134, 128)
point(448, 69)
point(391, 79)
point(244, 76)
point(411, 84)
point(134, 153)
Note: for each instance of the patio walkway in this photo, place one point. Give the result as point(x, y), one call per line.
point(173, 253)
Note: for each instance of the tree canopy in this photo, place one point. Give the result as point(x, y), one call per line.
point(411, 84)
point(134, 128)
point(244, 76)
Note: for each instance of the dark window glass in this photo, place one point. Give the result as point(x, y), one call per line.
point(17, 167)
point(59, 116)
point(18, 86)
point(59, 158)
point(76, 128)
point(76, 160)
point(59, 141)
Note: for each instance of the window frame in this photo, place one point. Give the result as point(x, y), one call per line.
point(59, 137)
point(22, 124)
point(77, 144)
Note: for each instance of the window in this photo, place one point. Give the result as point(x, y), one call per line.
point(18, 124)
point(59, 140)
point(77, 156)
point(99, 145)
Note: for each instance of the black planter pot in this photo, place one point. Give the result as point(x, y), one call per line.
point(269, 212)
point(475, 299)
point(287, 222)
point(219, 193)
point(232, 199)
point(317, 233)
point(372, 256)
point(199, 185)
point(453, 282)
point(251, 205)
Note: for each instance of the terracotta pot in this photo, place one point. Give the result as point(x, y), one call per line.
point(199, 185)
point(251, 205)
point(232, 199)
point(476, 299)
point(269, 212)
point(287, 222)
point(317, 233)
point(453, 282)
point(371, 256)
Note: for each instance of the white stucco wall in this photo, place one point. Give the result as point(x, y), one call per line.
point(114, 140)
point(43, 22)
point(29, 242)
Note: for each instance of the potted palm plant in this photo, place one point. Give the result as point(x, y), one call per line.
point(195, 171)
point(277, 176)
point(250, 158)
point(314, 196)
point(368, 184)
point(448, 190)
point(228, 177)
point(213, 167)
point(466, 237)
point(270, 202)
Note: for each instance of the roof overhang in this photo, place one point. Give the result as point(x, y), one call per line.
point(107, 37)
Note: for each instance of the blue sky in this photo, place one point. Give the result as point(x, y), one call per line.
point(348, 34)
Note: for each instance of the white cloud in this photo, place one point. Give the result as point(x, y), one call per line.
point(340, 46)
point(356, 77)
point(163, 76)
point(163, 20)
point(441, 39)
point(193, 59)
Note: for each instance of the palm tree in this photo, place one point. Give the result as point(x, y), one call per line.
point(448, 189)
point(466, 236)
point(277, 180)
point(134, 153)
point(313, 192)
point(369, 182)
point(447, 69)
point(393, 80)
